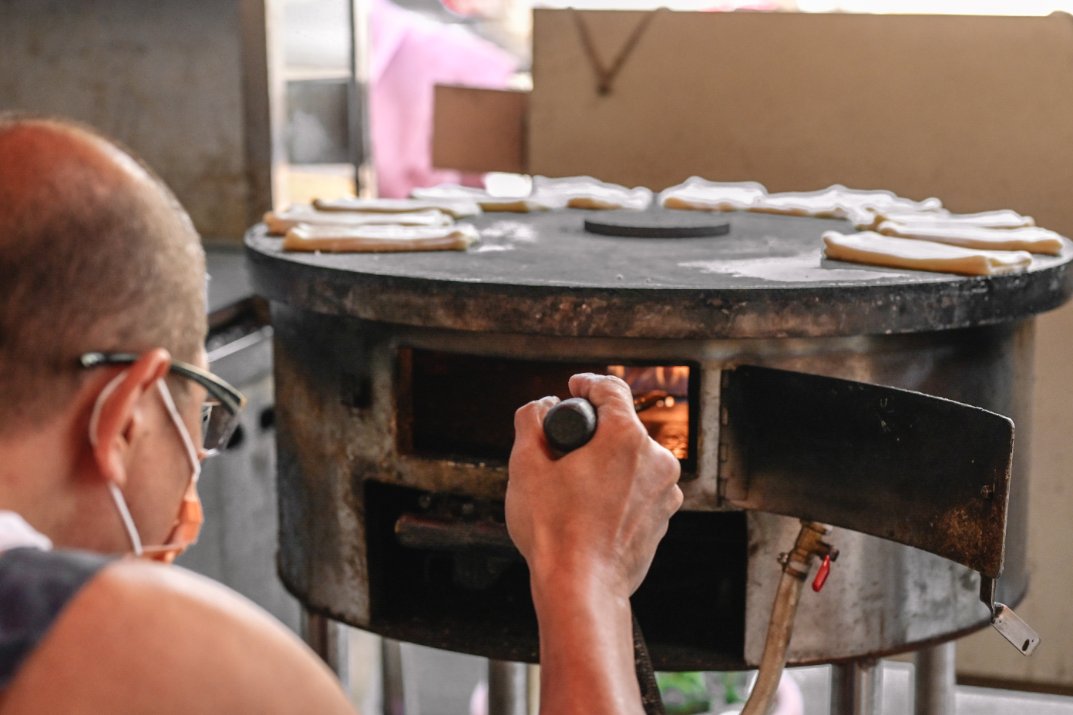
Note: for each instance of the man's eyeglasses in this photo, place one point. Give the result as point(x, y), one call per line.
point(219, 413)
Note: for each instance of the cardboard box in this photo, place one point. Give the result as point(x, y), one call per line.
point(975, 110)
point(479, 129)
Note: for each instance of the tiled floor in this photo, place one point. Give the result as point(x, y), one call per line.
point(441, 683)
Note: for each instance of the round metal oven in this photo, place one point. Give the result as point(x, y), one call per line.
point(397, 376)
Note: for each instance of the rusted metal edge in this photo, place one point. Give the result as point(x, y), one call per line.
point(662, 313)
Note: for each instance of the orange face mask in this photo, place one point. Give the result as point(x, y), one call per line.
point(185, 531)
point(187, 526)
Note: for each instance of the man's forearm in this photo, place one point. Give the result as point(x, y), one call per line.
point(586, 648)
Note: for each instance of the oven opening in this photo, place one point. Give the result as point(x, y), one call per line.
point(439, 574)
point(461, 407)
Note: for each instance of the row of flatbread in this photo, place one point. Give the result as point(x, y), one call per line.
point(547, 194)
point(374, 225)
point(892, 231)
point(433, 218)
point(985, 243)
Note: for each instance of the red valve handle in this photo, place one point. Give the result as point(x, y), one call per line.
point(822, 574)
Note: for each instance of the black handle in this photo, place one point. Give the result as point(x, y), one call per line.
point(570, 424)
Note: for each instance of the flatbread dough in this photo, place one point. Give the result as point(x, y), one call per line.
point(456, 208)
point(877, 250)
point(487, 202)
point(279, 222)
point(1002, 218)
point(836, 201)
point(697, 194)
point(1028, 238)
point(379, 238)
point(585, 192)
point(816, 204)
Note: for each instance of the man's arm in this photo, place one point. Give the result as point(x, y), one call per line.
point(148, 638)
point(588, 525)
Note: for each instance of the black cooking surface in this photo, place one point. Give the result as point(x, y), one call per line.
point(544, 273)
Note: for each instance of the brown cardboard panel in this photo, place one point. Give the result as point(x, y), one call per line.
point(975, 110)
point(479, 129)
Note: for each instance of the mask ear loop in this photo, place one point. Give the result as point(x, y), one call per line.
point(113, 488)
point(191, 453)
point(184, 433)
point(128, 521)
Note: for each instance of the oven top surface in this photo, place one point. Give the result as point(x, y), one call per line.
point(543, 273)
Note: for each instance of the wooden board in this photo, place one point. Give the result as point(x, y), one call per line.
point(975, 110)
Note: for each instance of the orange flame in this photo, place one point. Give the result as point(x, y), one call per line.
point(673, 379)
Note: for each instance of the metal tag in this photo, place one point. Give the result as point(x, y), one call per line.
point(1015, 630)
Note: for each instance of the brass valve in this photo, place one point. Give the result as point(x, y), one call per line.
point(809, 545)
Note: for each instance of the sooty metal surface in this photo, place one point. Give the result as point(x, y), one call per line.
point(544, 274)
point(350, 469)
point(361, 381)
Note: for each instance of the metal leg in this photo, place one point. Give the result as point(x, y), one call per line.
point(328, 639)
point(532, 672)
point(857, 687)
point(934, 680)
point(392, 684)
point(508, 692)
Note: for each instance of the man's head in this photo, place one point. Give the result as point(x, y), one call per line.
point(95, 254)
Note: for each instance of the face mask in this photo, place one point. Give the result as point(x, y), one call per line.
point(188, 523)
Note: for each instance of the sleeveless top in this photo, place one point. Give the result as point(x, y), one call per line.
point(35, 585)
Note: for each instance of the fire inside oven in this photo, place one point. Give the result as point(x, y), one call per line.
point(462, 406)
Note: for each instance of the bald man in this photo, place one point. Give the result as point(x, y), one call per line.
point(106, 411)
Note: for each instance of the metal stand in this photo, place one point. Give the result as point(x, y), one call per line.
point(857, 687)
point(508, 691)
point(934, 680)
point(328, 639)
point(392, 684)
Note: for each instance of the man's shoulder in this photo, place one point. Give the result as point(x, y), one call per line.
point(143, 637)
point(168, 595)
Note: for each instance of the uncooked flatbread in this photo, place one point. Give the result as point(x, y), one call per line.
point(279, 222)
point(488, 202)
point(857, 205)
point(816, 204)
point(379, 238)
point(857, 201)
point(456, 208)
point(697, 194)
point(585, 192)
point(1028, 238)
point(877, 250)
point(1002, 218)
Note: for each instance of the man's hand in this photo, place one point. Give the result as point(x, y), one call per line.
point(588, 525)
point(602, 508)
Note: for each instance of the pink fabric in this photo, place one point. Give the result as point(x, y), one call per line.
point(410, 55)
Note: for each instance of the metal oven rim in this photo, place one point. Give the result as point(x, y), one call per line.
point(468, 291)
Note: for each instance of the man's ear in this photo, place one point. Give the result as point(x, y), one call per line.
point(118, 411)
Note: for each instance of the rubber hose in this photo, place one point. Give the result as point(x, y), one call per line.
point(780, 628)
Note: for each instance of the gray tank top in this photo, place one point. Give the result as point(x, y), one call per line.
point(35, 585)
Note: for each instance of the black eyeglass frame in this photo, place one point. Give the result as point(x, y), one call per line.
point(229, 398)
